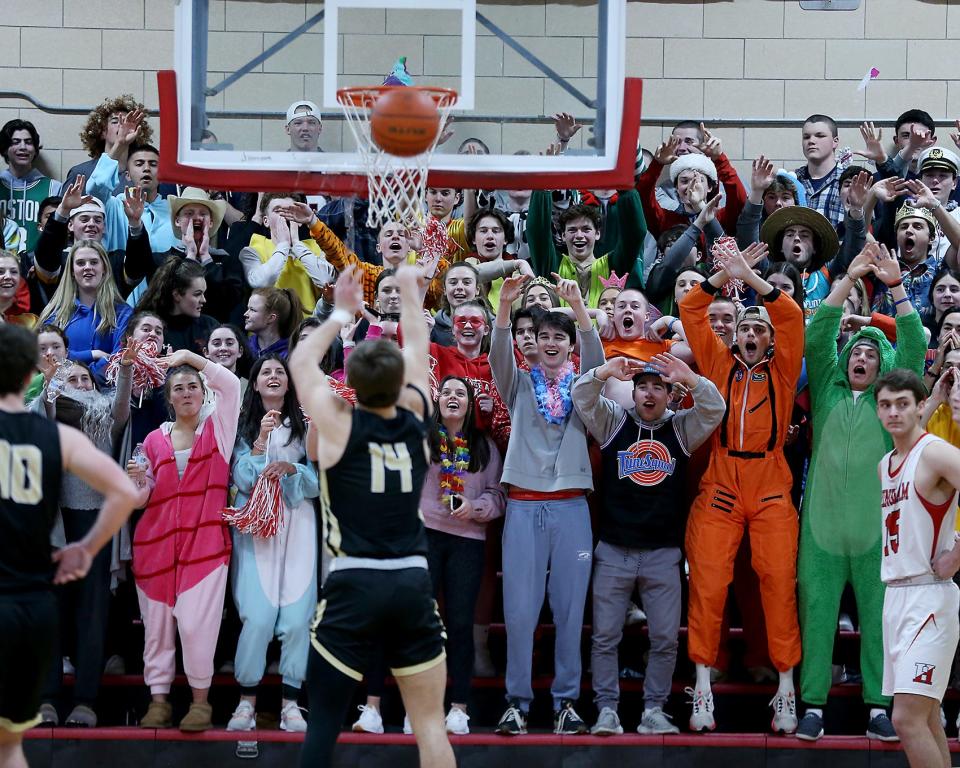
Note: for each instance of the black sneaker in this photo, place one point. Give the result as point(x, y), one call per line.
point(810, 727)
point(513, 722)
point(881, 728)
point(567, 721)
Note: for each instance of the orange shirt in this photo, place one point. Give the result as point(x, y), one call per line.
point(636, 349)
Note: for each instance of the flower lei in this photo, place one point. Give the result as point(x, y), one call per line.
point(553, 397)
point(452, 465)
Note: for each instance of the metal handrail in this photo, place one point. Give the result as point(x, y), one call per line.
point(713, 122)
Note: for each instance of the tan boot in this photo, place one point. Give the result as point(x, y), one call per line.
point(159, 715)
point(198, 718)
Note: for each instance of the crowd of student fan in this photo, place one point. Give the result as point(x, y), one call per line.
point(634, 289)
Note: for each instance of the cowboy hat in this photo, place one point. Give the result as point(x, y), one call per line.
point(824, 234)
point(195, 196)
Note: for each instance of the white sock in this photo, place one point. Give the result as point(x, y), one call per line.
point(818, 712)
point(786, 682)
point(703, 677)
point(874, 711)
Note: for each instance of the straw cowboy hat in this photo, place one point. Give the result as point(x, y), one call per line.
point(195, 196)
point(824, 235)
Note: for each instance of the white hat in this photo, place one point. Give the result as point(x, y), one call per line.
point(92, 206)
point(939, 157)
point(693, 162)
point(312, 111)
point(195, 196)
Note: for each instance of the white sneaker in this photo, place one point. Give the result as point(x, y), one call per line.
point(457, 721)
point(244, 717)
point(291, 718)
point(369, 721)
point(635, 615)
point(407, 728)
point(784, 713)
point(702, 717)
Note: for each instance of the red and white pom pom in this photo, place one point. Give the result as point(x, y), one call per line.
point(727, 246)
point(148, 373)
point(435, 240)
point(262, 515)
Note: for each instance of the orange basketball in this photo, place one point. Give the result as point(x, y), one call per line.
point(404, 122)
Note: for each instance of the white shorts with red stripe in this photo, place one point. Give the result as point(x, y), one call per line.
point(921, 628)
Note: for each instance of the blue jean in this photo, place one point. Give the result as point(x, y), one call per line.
point(541, 537)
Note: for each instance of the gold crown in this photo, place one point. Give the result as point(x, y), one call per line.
point(908, 211)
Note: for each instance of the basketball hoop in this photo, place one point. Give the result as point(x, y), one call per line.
point(396, 185)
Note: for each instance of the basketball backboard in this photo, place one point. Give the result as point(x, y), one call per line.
point(241, 63)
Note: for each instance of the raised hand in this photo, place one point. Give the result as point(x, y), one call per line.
point(203, 249)
point(47, 366)
point(864, 262)
point(920, 138)
point(298, 212)
point(512, 287)
point(887, 268)
point(133, 206)
point(872, 140)
point(857, 195)
point(754, 253)
point(566, 125)
point(922, 195)
point(762, 175)
point(673, 370)
point(622, 368)
point(711, 145)
point(189, 243)
point(568, 290)
point(553, 149)
point(889, 189)
point(280, 229)
point(130, 127)
point(956, 136)
point(709, 211)
point(131, 351)
point(666, 153)
point(74, 196)
point(348, 291)
point(697, 191)
point(853, 323)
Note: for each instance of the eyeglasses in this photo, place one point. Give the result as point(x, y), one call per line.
point(471, 322)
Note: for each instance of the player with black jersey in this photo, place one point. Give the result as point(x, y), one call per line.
point(643, 457)
point(34, 453)
point(373, 460)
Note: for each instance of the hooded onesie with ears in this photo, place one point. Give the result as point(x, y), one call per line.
point(840, 523)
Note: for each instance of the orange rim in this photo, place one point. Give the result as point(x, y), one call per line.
point(364, 97)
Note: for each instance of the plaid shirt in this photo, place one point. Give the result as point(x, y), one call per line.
point(827, 200)
point(916, 284)
point(341, 258)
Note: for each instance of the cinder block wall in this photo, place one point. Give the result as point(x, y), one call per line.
point(711, 59)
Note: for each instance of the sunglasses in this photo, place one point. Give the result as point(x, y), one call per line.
point(469, 322)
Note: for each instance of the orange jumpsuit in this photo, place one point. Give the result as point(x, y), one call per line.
point(747, 482)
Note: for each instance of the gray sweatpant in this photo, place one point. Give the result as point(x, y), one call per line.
point(657, 576)
point(537, 536)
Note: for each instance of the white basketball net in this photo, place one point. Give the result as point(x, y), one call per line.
point(396, 185)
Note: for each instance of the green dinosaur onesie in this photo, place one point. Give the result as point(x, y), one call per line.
point(840, 522)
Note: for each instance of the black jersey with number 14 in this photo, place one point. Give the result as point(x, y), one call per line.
point(370, 499)
point(30, 469)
